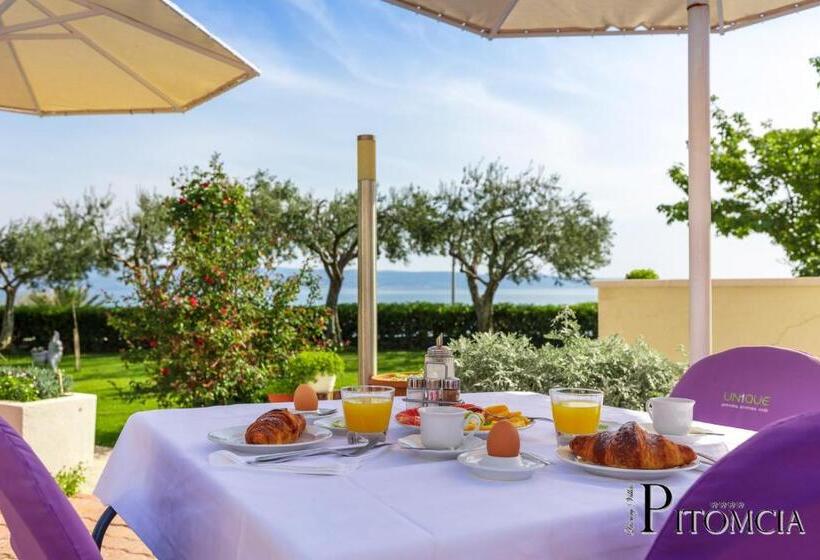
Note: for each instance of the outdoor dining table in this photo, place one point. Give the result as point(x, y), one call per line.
point(396, 505)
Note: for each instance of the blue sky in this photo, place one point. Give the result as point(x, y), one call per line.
point(607, 114)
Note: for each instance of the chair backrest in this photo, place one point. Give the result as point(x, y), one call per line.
point(774, 471)
point(41, 521)
point(751, 386)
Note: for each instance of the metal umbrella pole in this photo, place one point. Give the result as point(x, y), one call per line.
point(700, 206)
point(367, 328)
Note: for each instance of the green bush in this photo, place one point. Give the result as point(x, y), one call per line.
point(20, 389)
point(45, 381)
point(69, 479)
point(221, 321)
point(642, 274)
point(305, 367)
point(627, 374)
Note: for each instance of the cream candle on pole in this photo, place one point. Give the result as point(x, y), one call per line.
point(366, 151)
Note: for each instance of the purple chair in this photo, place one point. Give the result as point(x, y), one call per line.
point(774, 470)
point(751, 386)
point(42, 523)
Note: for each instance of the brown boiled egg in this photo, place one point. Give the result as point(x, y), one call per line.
point(503, 440)
point(305, 398)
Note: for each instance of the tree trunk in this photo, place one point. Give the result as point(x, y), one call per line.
point(482, 304)
point(76, 334)
point(334, 330)
point(8, 318)
point(484, 315)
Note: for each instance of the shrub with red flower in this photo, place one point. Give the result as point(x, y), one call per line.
point(222, 321)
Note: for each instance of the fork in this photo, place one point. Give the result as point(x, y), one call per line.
point(345, 452)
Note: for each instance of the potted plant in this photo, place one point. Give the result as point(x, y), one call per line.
point(318, 369)
point(57, 424)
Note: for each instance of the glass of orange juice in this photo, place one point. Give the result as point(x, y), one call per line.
point(367, 409)
point(575, 412)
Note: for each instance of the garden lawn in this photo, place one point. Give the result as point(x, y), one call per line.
point(105, 374)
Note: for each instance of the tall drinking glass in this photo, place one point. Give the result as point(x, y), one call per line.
point(575, 412)
point(367, 410)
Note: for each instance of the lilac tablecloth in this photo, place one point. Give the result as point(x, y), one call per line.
point(396, 505)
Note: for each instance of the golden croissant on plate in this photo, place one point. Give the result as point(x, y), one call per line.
point(631, 447)
point(277, 426)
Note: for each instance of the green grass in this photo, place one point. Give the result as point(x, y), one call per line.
point(99, 371)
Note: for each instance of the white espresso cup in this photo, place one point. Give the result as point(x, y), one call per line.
point(443, 427)
point(671, 415)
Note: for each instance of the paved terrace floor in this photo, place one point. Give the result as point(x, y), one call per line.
point(120, 542)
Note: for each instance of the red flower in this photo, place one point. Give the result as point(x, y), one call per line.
point(183, 200)
point(164, 371)
point(205, 185)
point(193, 301)
point(208, 280)
point(152, 343)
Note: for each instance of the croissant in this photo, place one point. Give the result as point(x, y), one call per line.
point(631, 447)
point(276, 426)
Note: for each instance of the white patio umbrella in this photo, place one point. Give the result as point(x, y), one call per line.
point(60, 57)
point(558, 18)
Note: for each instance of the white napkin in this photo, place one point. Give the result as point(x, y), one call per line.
point(329, 465)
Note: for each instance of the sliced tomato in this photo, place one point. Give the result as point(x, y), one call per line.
point(411, 416)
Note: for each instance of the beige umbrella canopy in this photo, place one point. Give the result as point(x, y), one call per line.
point(516, 18)
point(555, 18)
point(109, 56)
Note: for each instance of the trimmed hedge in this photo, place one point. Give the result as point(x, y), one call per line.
point(414, 326)
point(402, 326)
point(34, 325)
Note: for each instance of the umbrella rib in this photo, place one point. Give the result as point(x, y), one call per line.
point(5, 5)
point(111, 58)
point(25, 78)
point(165, 35)
point(504, 15)
point(52, 20)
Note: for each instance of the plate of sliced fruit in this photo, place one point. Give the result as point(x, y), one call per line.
point(491, 414)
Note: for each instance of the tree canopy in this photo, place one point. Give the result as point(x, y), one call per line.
point(498, 226)
point(57, 250)
point(771, 182)
point(327, 229)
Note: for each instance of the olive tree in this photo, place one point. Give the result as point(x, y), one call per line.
point(57, 250)
point(499, 225)
point(327, 229)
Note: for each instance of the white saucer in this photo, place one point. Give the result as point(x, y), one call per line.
point(413, 443)
point(498, 468)
point(335, 424)
point(318, 413)
point(696, 435)
point(233, 438)
point(568, 456)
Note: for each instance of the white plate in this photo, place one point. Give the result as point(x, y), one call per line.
point(568, 456)
point(233, 438)
point(335, 424)
point(696, 436)
point(413, 443)
point(497, 468)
